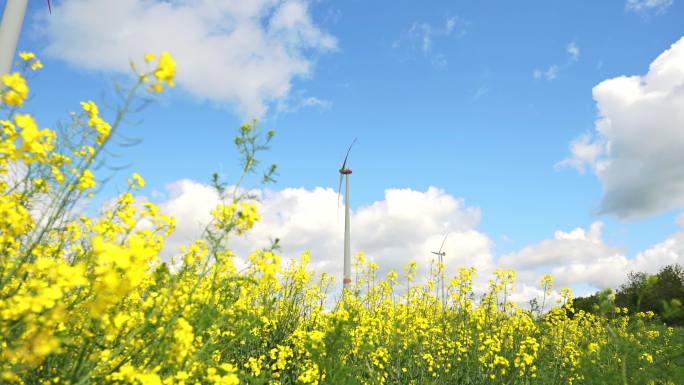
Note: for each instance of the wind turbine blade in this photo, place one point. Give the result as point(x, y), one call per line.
point(444, 240)
point(339, 189)
point(344, 164)
point(49, 6)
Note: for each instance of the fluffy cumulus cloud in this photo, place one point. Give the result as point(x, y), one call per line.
point(576, 257)
point(191, 204)
point(409, 225)
point(636, 149)
point(406, 225)
point(585, 150)
point(241, 53)
point(581, 257)
point(668, 252)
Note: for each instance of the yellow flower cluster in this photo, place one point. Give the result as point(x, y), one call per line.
point(90, 300)
point(30, 59)
point(14, 89)
point(136, 182)
point(164, 73)
point(228, 216)
point(94, 121)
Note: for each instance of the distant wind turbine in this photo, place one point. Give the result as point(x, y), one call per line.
point(440, 265)
point(344, 173)
point(10, 28)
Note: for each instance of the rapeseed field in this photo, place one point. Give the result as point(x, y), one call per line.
point(88, 299)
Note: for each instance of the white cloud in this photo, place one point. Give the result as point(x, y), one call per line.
point(582, 257)
point(670, 251)
point(549, 74)
point(636, 149)
point(586, 151)
point(422, 35)
point(450, 25)
point(659, 6)
point(316, 102)
point(408, 225)
point(573, 50)
point(570, 254)
point(191, 204)
point(241, 53)
point(480, 92)
point(422, 32)
point(298, 101)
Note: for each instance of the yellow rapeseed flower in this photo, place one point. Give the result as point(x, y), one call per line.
point(16, 91)
point(136, 182)
point(165, 72)
point(26, 56)
point(86, 180)
point(94, 292)
point(36, 65)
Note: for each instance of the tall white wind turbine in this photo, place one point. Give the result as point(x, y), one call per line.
point(10, 28)
point(440, 269)
point(344, 173)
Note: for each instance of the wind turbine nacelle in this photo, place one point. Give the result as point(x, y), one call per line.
point(345, 171)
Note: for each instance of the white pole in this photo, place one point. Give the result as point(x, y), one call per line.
point(347, 259)
point(12, 19)
point(441, 277)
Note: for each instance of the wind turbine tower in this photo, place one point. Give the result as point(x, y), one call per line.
point(440, 269)
point(344, 173)
point(10, 28)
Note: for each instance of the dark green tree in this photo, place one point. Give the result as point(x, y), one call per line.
point(661, 293)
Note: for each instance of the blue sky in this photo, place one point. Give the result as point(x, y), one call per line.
point(479, 99)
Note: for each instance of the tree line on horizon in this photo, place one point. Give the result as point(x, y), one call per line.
point(662, 293)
